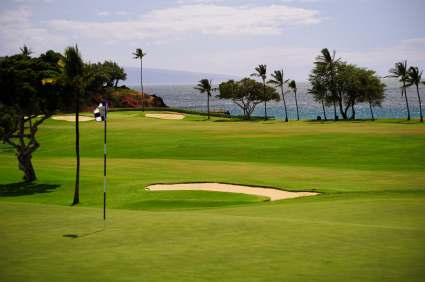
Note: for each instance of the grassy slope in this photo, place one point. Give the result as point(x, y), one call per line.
point(368, 225)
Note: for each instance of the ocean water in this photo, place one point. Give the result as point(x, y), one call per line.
point(186, 97)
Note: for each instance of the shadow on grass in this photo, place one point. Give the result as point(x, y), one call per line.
point(241, 119)
point(24, 188)
point(75, 236)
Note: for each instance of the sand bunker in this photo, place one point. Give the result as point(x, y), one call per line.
point(72, 118)
point(273, 194)
point(165, 116)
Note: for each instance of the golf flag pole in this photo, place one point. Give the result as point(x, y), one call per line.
point(105, 105)
point(100, 114)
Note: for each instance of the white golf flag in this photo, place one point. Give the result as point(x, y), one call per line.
point(99, 113)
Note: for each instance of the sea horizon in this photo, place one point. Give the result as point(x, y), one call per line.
point(184, 96)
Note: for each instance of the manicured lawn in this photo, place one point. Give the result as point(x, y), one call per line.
point(368, 223)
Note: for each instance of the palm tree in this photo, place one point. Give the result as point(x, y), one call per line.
point(319, 92)
point(204, 86)
point(139, 55)
point(400, 71)
point(261, 71)
point(278, 81)
point(26, 51)
point(293, 85)
point(73, 72)
point(415, 77)
point(329, 62)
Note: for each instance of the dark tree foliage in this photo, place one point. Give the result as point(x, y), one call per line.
point(415, 78)
point(247, 94)
point(279, 81)
point(74, 78)
point(113, 73)
point(371, 89)
point(261, 72)
point(27, 98)
point(204, 86)
point(319, 90)
point(293, 86)
point(327, 63)
point(400, 71)
point(348, 86)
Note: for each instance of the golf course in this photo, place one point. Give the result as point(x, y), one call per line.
point(366, 222)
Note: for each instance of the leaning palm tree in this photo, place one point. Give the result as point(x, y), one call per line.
point(73, 72)
point(414, 78)
point(329, 62)
point(204, 86)
point(293, 85)
point(139, 55)
point(261, 71)
point(279, 81)
point(400, 71)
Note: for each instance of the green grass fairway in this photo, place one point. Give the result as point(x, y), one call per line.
point(368, 224)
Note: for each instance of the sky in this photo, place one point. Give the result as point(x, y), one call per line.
point(221, 36)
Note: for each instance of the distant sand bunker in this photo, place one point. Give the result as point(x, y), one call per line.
point(273, 194)
point(165, 116)
point(72, 118)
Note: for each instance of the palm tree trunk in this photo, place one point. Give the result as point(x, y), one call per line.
point(296, 104)
point(407, 102)
point(284, 104)
point(141, 84)
point(371, 110)
point(77, 151)
point(341, 110)
point(265, 101)
point(334, 93)
point(420, 103)
point(208, 105)
point(324, 111)
point(335, 117)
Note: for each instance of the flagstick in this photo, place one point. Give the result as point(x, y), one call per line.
point(104, 161)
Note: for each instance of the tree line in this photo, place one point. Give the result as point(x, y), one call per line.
point(333, 83)
point(35, 88)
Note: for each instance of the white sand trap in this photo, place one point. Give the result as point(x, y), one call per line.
point(273, 194)
point(165, 116)
point(72, 118)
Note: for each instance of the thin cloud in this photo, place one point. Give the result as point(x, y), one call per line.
point(199, 1)
point(18, 29)
point(103, 13)
point(108, 13)
point(382, 59)
point(206, 19)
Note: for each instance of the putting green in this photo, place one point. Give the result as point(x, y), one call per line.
point(367, 224)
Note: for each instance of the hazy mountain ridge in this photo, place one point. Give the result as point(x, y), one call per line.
point(152, 76)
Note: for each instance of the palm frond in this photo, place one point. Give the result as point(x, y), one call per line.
point(399, 70)
point(26, 51)
point(414, 76)
point(73, 64)
point(261, 71)
point(139, 54)
point(204, 86)
point(293, 85)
